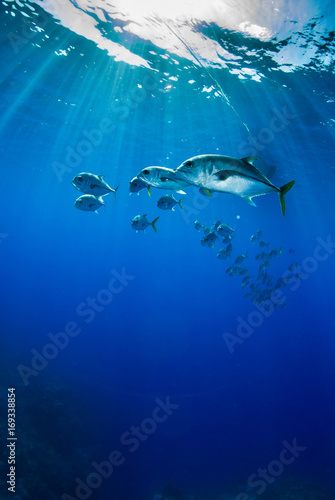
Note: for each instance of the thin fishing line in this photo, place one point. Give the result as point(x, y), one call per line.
point(221, 91)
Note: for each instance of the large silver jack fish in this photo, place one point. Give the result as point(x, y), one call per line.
point(230, 175)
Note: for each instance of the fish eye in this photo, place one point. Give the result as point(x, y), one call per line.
point(79, 178)
point(188, 164)
point(146, 172)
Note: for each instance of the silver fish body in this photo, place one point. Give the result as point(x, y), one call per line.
point(168, 202)
point(225, 230)
point(140, 223)
point(226, 174)
point(89, 203)
point(92, 184)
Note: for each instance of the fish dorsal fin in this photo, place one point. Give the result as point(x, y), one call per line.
point(250, 159)
point(101, 176)
point(223, 175)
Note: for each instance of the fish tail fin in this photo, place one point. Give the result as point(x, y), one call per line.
point(179, 202)
point(153, 224)
point(149, 190)
point(247, 256)
point(281, 250)
point(117, 187)
point(283, 190)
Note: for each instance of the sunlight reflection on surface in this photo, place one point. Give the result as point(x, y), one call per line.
point(177, 26)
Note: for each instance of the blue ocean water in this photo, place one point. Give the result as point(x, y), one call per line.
point(141, 370)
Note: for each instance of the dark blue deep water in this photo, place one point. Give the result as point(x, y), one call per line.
point(141, 369)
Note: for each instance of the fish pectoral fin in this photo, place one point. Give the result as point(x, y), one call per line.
point(206, 192)
point(223, 175)
point(250, 159)
point(249, 200)
point(180, 191)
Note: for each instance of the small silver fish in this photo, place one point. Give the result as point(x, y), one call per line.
point(262, 255)
point(140, 223)
point(223, 254)
point(198, 225)
point(241, 258)
point(275, 252)
point(89, 203)
point(92, 184)
point(209, 239)
point(245, 281)
point(225, 229)
point(168, 202)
